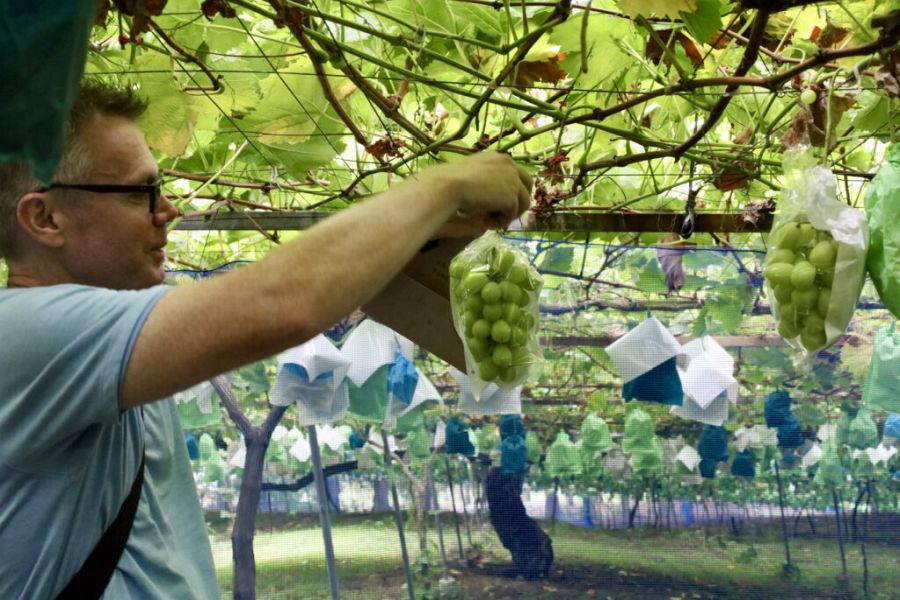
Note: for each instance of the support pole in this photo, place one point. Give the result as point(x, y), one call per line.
point(437, 520)
point(453, 503)
point(398, 517)
point(787, 546)
point(324, 517)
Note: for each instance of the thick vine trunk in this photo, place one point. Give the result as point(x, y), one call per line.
point(245, 520)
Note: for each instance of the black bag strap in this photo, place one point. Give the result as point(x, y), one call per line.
point(92, 578)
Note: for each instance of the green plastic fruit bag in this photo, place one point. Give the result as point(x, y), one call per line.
point(882, 387)
point(816, 240)
point(43, 47)
point(883, 211)
point(562, 457)
point(494, 294)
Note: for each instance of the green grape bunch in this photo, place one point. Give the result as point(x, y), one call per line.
point(800, 273)
point(494, 297)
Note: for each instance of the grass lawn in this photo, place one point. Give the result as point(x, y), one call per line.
point(589, 564)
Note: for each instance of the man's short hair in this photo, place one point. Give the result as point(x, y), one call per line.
point(94, 98)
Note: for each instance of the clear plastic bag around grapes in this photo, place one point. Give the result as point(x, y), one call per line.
point(494, 297)
point(816, 240)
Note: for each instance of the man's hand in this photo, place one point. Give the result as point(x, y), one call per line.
point(490, 190)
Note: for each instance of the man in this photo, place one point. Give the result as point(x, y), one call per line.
point(91, 343)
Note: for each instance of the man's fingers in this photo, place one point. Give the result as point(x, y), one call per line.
point(524, 176)
point(524, 199)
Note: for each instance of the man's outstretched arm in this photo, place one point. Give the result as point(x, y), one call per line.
point(304, 286)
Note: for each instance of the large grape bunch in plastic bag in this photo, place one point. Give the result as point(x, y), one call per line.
point(816, 264)
point(494, 295)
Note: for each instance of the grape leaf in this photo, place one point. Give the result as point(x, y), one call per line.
point(558, 259)
point(601, 54)
point(660, 8)
point(170, 117)
point(704, 22)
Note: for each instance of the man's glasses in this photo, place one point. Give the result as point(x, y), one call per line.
point(153, 190)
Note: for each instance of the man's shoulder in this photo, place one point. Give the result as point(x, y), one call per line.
point(71, 291)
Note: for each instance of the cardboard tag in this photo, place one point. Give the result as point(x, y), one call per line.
point(416, 303)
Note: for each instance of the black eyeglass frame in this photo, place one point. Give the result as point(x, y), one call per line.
point(153, 190)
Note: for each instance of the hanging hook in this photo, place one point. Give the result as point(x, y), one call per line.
point(687, 226)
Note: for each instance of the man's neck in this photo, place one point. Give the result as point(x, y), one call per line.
point(20, 276)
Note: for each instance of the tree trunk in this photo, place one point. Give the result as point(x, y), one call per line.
point(633, 512)
point(257, 441)
point(245, 520)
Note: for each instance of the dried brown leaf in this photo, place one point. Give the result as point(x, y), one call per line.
point(690, 48)
point(211, 8)
point(670, 260)
point(752, 212)
point(542, 70)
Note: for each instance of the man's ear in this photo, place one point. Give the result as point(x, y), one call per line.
point(38, 219)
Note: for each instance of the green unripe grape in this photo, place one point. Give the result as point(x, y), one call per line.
point(786, 312)
point(807, 235)
point(523, 299)
point(517, 274)
point(814, 323)
point(781, 255)
point(531, 283)
point(521, 357)
point(509, 374)
point(826, 278)
point(812, 340)
point(470, 318)
point(502, 262)
point(787, 330)
point(458, 269)
point(502, 356)
point(501, 332)
point(474, 282)
point(487, 370)
point(822, 255)
point(479, 348)
point(491, 292)
point(822, 304)
point(804, 300)
point(779, 273)
point(510, 291)
point(529, 321)
point(481, 329)
point(803, 275)
point(511, 312)
point(787, 236)
point(823, 236)
point(474, 304)
point(782, 292)
point(519, 337)
point(808, 96)
point(492, 312)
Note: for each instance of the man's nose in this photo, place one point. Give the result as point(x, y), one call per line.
point(166, 212)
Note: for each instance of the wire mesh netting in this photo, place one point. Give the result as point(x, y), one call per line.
point(637, 512)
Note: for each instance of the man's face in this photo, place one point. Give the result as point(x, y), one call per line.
point(112, 240)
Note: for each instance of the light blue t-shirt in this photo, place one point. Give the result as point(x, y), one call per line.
point(68, 455)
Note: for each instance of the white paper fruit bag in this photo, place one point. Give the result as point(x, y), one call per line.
point(816, 264)
point(494, 296)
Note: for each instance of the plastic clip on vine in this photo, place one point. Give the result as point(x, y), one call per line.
point(494, 297)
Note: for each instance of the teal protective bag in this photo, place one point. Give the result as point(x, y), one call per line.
point(883, 212)
point(43, 48)
point(882, 386)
